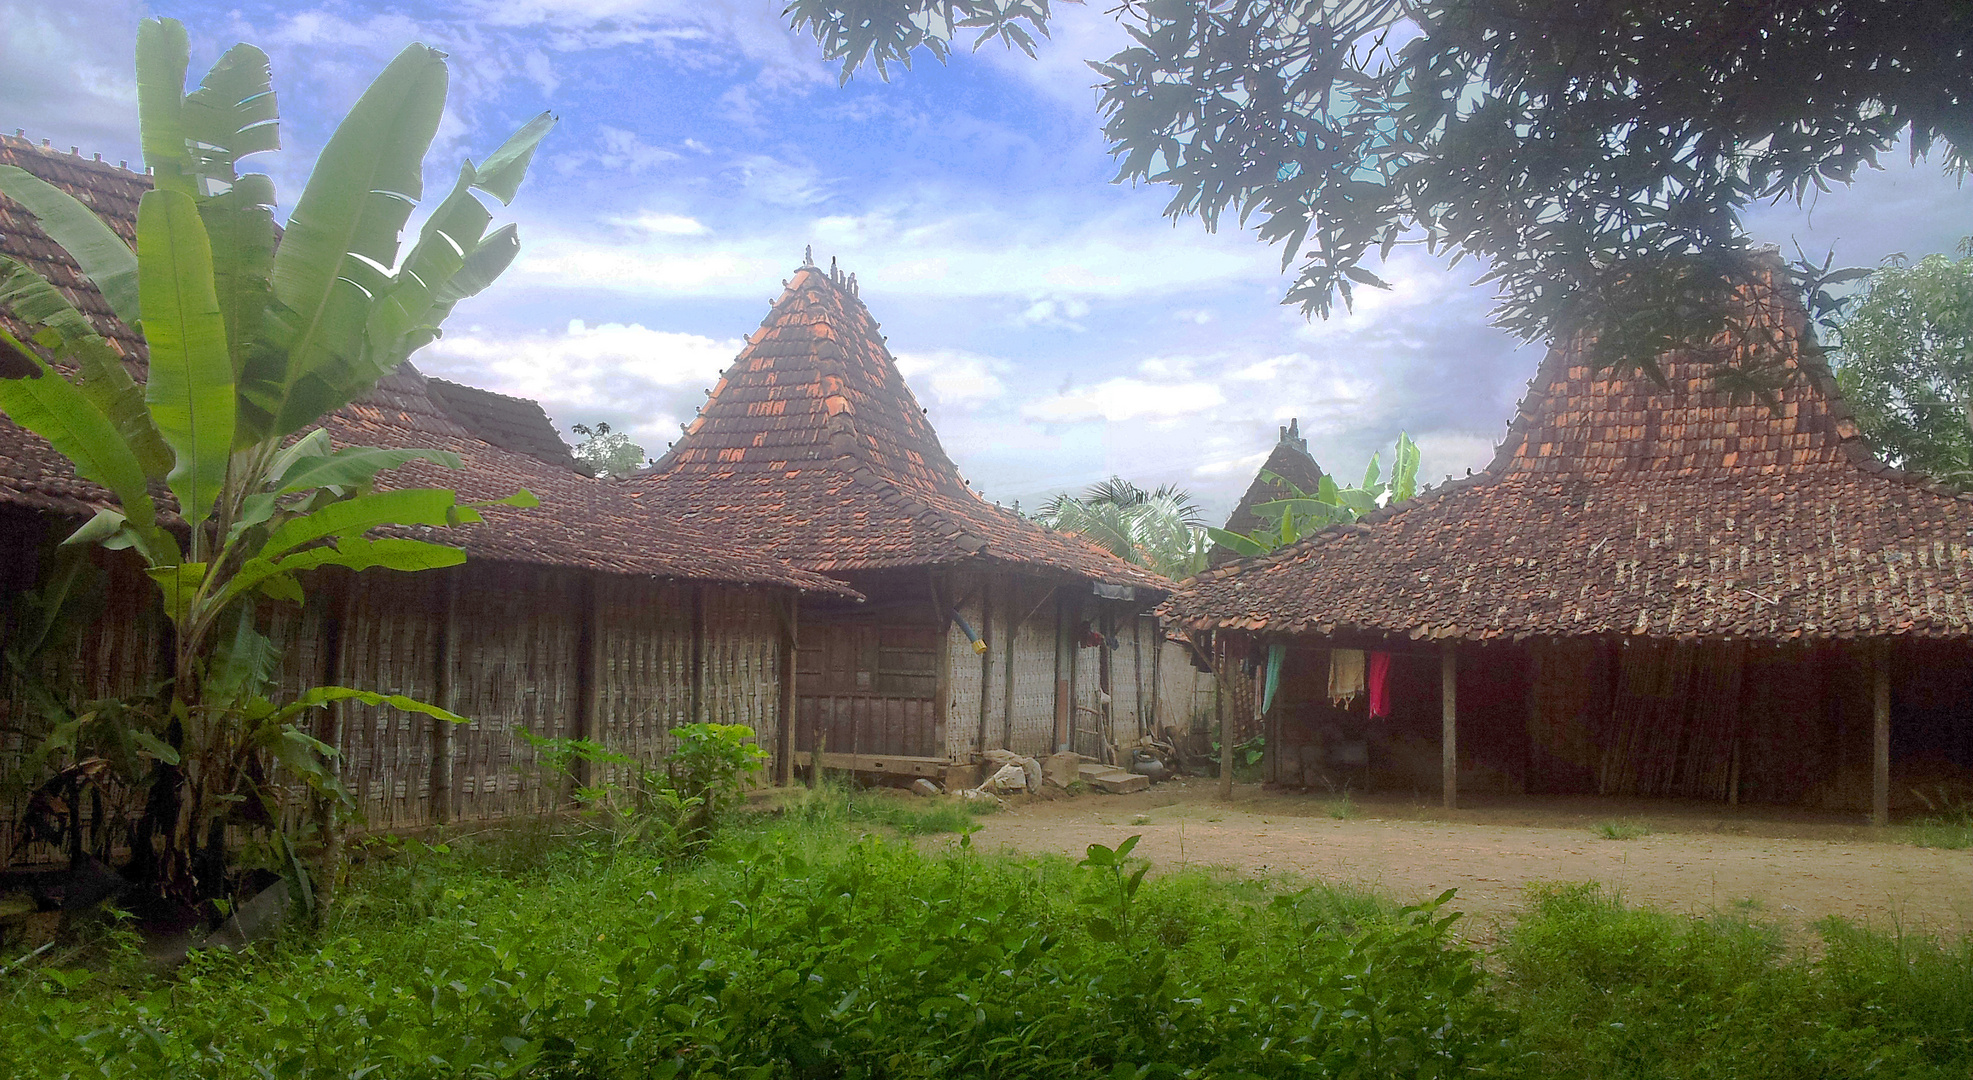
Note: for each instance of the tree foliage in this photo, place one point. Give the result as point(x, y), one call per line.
point(1303, 513)
point(1594, 156)
point(1162, 529)
point(607, 452)
point(254, 333)
point(1904, 359)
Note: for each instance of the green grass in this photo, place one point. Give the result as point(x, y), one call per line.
point(808, 945)
point(1621, 830)
point(1950, 825)
point(1342, 807)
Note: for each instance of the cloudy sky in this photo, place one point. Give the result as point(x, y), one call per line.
point(1057, 326)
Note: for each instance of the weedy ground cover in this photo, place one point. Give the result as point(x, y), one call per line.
point(807, 943)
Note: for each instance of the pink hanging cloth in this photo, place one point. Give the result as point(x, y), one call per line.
point(1378, 676)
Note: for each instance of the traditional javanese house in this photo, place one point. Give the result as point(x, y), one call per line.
point(1652, 590)
point(983, 629)
point(588, 616)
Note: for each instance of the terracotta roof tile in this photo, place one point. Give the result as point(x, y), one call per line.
point(1289, 460)
point(510, 423)
point(1619, 507)
point(581, 522)
point(813, 447)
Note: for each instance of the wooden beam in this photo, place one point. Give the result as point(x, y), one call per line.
point(1219, 717)
point(784, 737)
point(986, 660)
point(589, 653)
point(1007, 665)
point(1880, 740)
point(883, 764)
point(1449, 715)
point(448, 699)
point(1064, 659)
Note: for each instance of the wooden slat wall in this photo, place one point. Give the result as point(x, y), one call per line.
point(391, 626)
point(515, 667)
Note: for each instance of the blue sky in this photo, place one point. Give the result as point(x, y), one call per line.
point(1057, 326)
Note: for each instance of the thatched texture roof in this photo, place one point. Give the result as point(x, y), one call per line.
point(812, 447)
point(580, 522)
point(1616, 507)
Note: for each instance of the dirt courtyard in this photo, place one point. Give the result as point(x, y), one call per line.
point(1793, 868)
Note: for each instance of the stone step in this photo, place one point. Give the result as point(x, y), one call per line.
point(1111, 779)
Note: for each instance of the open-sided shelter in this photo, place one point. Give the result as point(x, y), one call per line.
point(590, 615)
point(983, 629)
point(1652, 590)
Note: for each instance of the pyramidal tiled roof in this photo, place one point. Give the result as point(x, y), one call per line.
point(1289, 460)
point(580, 522)
point(1616, 506)
point(812, 447)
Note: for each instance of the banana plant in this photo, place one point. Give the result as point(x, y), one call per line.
point(1302, 513)
point(255, 332)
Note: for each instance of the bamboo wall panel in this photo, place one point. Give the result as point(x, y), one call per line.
point(516, 667)
point(743, 660)
point(644, 645)
point(1033, 655)
point(1185, 694)
point(963, 718)
point(391, 629)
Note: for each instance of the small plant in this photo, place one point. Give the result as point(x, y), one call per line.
point(1621, 829)
point(1342, 807)
point(1949, 825)
point(1116, 861)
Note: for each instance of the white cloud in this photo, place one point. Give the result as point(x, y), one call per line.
point(641, 379)
point(1122, 399)
point(664, 224)
point(956, 379)
point(1059, 313)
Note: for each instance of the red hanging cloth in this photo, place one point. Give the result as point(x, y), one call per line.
point(1377, 675)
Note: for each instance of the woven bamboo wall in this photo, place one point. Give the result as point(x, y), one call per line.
point(392, 625)
point(516, 666)
point(1033, 655)
point(1185, 694)
point(743, 660)
point(962, 725)
point(644, 643)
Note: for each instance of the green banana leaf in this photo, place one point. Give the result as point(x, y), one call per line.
point(162, 54)
point(53, 408)
point(232, 114)
point(97, 249)
point(342, 233)
point(190, 389)
point(353, 517)
point(500, 175)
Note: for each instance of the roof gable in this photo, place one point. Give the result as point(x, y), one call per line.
point(1619, 507)
point(812, 446)
point(511, 423)
point(1289, 460)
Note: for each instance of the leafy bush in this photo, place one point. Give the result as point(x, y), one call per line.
point(1605, 991)
point(788, 953)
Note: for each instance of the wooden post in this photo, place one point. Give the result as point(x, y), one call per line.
point(1064, 659)
point(1007, 668)
point(589, 712)
point(1880, 742)
point(986, 658)
point(448, 699)
point(942, 681)
point(698, 654)
point(1449, 712)
point(1219, 718)
point(784, 739)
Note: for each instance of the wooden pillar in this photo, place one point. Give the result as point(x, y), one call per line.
point(986, 659)
point(1880, 736)
point(942, 682)
point(698, 654)
point(1449, 712)
point(1007, 668)
point(1219, 717)
point(443, 731)
point(1064, 664)
point(784, 737)
point(589, 653)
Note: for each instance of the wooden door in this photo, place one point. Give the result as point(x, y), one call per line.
point(867, 689)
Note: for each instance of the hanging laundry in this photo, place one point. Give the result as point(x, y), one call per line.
point(1378, 675)
point(1275, 655)
point(1345, 675)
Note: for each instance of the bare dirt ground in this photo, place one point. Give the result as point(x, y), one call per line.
point(1792, 868)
